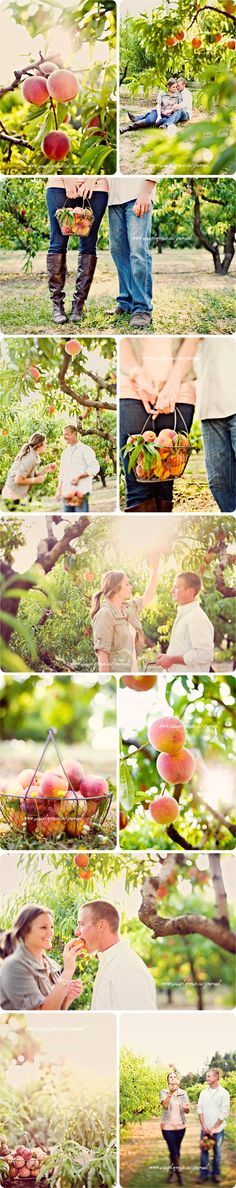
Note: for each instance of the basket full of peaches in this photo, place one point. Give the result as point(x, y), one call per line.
point(158, 457)
point(61, 800)
point(21, 1164)
point(76, 220)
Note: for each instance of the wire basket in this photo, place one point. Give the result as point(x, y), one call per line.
point(52, 816)
point(75, 220)
point(158, 463)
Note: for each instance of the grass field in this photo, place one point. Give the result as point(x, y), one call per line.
point(145, 1161)
point(187, 295)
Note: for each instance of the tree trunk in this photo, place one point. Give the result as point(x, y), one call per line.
point(221, 911)
point(221, 268)
point(48, 558)
point(197, 985)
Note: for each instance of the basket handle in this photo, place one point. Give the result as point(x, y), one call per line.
point(176, 409)
point(85, 202)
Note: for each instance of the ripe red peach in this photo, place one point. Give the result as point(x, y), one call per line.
point(75, 773)
point(27, 775)
point(94, 786)
point(56, 145)
point(176, 769)
point(54, 784)
point(35, 90)
point(140, 684)
point(167, 734)
point(164, 809)
point(62, 85)
point(72, 347)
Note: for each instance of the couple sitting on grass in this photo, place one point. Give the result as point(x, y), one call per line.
point(174, 106)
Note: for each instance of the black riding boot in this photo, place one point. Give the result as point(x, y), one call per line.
point(56, 270)
point(163, 505)
point(85, 273)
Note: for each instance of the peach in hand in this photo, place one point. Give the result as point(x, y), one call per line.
point(167, 734)
point(176, 769)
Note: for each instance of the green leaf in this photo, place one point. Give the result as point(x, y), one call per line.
point(128, 790)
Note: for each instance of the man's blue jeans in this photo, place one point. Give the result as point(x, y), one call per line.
point(178, 117)
point(204, 1161)
point(219, 440)
point(83, 507)
point(130, 249)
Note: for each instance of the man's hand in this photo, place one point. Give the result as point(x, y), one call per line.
point(71, 187)
point(75, 481)
point(86, 187)
point(168, 395)
point(164, 661)
point(144, 201)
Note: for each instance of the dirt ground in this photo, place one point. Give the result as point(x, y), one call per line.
point(144, 1159)
point(103, 500)
point(191, 491)
point(187, 295)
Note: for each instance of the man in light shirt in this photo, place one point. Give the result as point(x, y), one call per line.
point(122, 982)
point(216, 406)
point(186, 101)
point(213, 1109)
point(77, 468)
point(191, 646)
point(130, 206)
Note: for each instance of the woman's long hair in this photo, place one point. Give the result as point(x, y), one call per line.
point(110, 584)
point(21, 927)
point(34, 441)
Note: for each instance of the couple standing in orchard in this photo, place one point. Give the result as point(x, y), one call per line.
point(130, 203)
point(117, 631)
point(78, 467)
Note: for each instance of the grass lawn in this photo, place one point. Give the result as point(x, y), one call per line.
point(187, 296)
point(144, 1156)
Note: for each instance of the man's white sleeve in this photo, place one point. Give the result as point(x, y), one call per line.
point(201, 649)
point(225, 1106)
point(91, 461)
point(200, 1104)
point(134, 992)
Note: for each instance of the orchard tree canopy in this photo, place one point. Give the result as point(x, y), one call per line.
point(80, 118)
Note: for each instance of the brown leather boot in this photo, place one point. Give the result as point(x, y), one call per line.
point(148, 505)
point(85, 273)
point(56, 270)
point(163, 505)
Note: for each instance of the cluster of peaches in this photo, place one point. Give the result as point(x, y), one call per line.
point(160, 457)
point(50, 84)
point(53, 802)
point(175, 763)
point(22, 1163)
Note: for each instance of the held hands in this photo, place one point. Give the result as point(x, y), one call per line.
point(167, 395)
point(86, 187)
point(144, 387)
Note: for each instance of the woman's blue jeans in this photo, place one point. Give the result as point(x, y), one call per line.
point(219, 440)
point(132, 418)
point(55, 198)
point(174, 1138)
point(204, 1161)
point(130, 249)
point(150, 119)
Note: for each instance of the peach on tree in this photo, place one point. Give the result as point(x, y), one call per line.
point(176, 769)
point(167, 734)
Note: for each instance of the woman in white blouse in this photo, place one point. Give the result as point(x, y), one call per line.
point(175, 1104)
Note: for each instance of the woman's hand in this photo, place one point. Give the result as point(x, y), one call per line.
point(168, 395)
point(144, 388)
point(86, 187)
point(74, 991)
point(71, 187)
point(70, 953)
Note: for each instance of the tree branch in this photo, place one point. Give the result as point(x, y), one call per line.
point(226, 591)
point(185, 925)
point(177, 837)
point(19, 74)
point(212, 8)
point(81, 399)
point(13, 138)
point(219, 817)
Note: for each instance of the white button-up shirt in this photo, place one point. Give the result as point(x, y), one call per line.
point(123, 982)
point(214, 1104)
point(127, 189)
point(75, 460)
point(192, 637)
point(186, 101)
point(215, 365)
